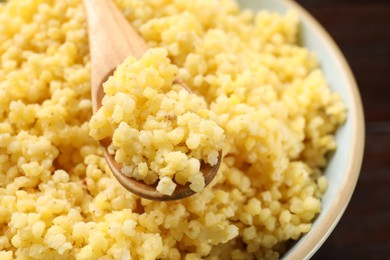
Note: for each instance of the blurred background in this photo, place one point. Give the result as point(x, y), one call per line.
point(361, 28)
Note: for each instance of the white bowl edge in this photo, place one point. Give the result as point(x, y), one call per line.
point(352, 153)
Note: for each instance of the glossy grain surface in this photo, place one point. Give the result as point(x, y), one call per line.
point(111, 40)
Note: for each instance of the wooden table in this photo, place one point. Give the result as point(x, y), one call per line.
point(362, 30)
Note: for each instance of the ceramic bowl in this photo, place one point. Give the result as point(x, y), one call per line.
point(343, 169)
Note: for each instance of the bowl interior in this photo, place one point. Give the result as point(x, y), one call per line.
point(343, 169)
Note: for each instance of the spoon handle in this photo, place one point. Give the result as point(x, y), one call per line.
point(111, 38)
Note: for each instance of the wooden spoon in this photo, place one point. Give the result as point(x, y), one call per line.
point(111, 40)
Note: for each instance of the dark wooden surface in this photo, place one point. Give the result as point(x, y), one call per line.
point(361, 28)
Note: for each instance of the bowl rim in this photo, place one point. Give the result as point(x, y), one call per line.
point(316, 237)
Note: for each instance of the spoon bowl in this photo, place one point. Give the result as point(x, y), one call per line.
point(111, 40)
